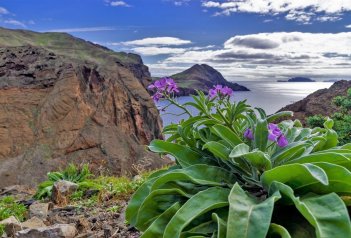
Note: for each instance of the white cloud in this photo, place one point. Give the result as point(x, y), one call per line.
point(293, 9)
point(83, 29)
point(154, 41)
point(153, 50)
point(119, 4)
point(271, 55)
point(348, 26)
point(3, 11)
point(15, 23)
point(181, 2)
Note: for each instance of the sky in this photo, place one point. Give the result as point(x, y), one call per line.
point(243, 39)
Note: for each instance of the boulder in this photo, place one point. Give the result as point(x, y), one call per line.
point(33, 223)
point(12, 225)
point(62, 190)
point(57, 231)
point(39, 210)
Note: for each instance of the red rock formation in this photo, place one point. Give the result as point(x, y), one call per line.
point(55, 110)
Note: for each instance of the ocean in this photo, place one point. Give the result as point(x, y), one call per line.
point(271, 96)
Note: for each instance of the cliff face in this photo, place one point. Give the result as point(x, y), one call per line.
point(56, 110)
point(319, 102)
point(202, 77)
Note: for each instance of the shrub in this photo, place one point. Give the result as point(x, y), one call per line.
point(342, 118)
point(71, 173)
point(9, 207)
point(239, 175)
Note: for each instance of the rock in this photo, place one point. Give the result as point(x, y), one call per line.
point(33, 223)
point(319, 102)
point(56, 108)
point(202, 77)
point(12, 225)
point(39, 210)
point(20, 193)
point(62, 190)
point(57, 231)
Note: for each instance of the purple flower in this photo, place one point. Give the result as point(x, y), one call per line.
point(162, 88)
point(248, 134)
point(282, 141)
point(226, 91)
point(276, 135)
point(157, 96)
point(219, 90)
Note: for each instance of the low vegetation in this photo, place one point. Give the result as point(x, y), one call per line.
point(239, 175)
point(119, 188)
point(342, 118)
point(9, 207)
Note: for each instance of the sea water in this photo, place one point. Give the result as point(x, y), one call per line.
point(271, 96)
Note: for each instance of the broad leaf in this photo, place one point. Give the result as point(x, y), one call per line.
point(248, 217)
point(199, 204)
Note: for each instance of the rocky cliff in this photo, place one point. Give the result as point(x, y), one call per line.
point(202, 77)
point(57, 108)
point(319, 102)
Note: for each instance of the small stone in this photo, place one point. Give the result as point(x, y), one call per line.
point(57, 231)
point(33, 223)
point(39, 210)
point(12, 225)
point(62, 190)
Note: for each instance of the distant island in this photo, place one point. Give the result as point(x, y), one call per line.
point(297, 79)
point(332, 80)
point(201, 77)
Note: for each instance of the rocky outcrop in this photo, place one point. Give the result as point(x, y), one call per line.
point(55, 110)
point(202, 77)
point(319, 102)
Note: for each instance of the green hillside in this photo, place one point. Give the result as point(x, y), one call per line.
point(67, 45)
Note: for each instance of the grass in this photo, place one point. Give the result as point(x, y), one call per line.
point(66, 45)
point(9, 207)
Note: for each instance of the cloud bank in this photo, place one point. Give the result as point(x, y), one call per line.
point(267, 55)
point(301, 11)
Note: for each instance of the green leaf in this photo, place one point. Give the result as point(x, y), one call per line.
point(295, 174)
point(226, 134)
point(239, 150)
point(184, 155)
point(197, 174)
point(199, 204)
point(323, 156)
point(248, 217)
point(339, 179)
point(217, 149)
point(258, 159)
point(221, 226)
point(157, 228)
point(275, 229)
point(278, 115)
point(136, 201)
point(153, 205)
point(326, 213)
point(261, 134)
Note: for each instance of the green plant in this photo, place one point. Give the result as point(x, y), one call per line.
point(9, 207)
point(2, 229)
point(342, 118)
point(72, 173)
point(239, 175)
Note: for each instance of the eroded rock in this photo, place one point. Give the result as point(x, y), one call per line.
point(12, 225)
point(62, 190)
point(57, 231)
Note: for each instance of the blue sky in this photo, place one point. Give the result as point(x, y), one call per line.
point(246, 39)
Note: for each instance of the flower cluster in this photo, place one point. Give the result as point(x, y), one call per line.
point(164, 86)
point(219, 90)
point(274, 134)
